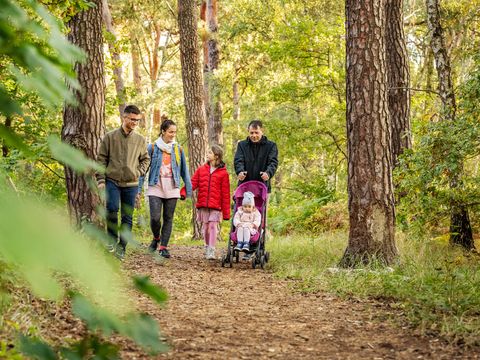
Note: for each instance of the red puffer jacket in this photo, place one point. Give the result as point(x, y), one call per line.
point(213, 189)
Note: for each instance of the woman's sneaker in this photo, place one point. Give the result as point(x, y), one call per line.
point(153, 246)
point(164, 253)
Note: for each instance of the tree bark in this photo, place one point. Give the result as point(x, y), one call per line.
point(398, 79)
point(154, 71)
point(236, 109)
point(84, 125)
point(137, 77)
point(460, 229)
point(213, 103)
point(370, 190)
point(8, 125)
point(192, 92)
point(116, 59)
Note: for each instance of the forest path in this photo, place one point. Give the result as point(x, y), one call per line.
point(241, 313)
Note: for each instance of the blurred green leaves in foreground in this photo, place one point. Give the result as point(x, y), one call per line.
point(38, 240)
point(36, 56)
point(36, 237)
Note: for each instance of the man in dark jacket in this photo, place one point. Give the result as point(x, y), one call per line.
point(256, 157)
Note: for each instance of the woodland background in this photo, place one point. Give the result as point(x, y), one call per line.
point(281, 61)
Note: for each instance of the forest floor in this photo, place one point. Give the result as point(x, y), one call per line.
point(242, 313)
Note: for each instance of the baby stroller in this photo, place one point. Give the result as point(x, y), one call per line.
point(257, 242)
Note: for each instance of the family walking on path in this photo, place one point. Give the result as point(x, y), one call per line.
point(128, 160)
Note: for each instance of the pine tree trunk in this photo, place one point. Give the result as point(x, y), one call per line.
point(370, 190)
point(116, 60)
point(398, 79)
point(215, 115)
point(236, 109)
point(137, 77)
point(154, 72)
point(8, 125)
point(192, 92)
point(84, 126)
point(460, 229)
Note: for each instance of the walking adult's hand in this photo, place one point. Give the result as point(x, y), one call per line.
point(242, 175)
point(264, 176)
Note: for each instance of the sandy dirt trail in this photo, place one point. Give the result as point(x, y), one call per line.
point(241, 313)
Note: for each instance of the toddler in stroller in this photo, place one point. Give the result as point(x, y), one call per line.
point(247, 221)
point(248, 235)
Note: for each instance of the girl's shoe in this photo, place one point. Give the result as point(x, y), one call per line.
point(211, 253)
point(239, 246)
point(246, 247)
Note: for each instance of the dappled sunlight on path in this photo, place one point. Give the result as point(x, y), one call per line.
point(241, 313)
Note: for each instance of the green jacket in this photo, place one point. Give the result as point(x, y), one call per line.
point(125, 157)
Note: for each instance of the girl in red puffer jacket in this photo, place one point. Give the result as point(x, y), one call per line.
point(213, 204)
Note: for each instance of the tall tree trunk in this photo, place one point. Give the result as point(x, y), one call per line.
point(84, 126)
point(460, 229)
point(116, 60)
point(212, 86)
point(137, 77)
point(154, 71)
point(192, 92)
point(236, 109)
point(398, 73)
point(370, 190)
point(8, 125)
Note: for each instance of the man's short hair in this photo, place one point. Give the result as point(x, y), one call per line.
point(131, 109)
point(255, 124)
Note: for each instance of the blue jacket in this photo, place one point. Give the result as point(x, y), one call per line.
point(179, 171)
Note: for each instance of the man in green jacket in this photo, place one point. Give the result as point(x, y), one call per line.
point(124, 155)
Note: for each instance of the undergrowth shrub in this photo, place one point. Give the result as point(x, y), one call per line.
point(435, 286)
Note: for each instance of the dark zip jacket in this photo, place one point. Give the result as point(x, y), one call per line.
point(255, 158)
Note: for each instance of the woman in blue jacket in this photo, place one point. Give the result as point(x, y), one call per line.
point(167, 166)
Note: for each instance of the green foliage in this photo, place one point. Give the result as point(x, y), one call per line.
point(144, 284)
point(445, 149)
point(139, 327)
point(434, 286)
point(7, 353)
point(67, 9)
point(302, 205)
point(36, 56)
point(74, 158)
point(44, 233)
point(101, 324)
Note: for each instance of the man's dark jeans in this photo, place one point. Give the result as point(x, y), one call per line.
point(123, 198)
point(156, 205)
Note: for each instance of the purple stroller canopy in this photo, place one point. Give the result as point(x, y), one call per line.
point(258, 189)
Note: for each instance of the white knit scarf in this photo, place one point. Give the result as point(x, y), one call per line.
point(162, 145)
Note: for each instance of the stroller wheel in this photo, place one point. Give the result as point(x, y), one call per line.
point(223, 261)
point(254, 263)
point(237, 257)
point(263, 261)
point(267, 256)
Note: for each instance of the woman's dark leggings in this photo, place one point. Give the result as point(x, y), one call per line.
point(156, 205)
